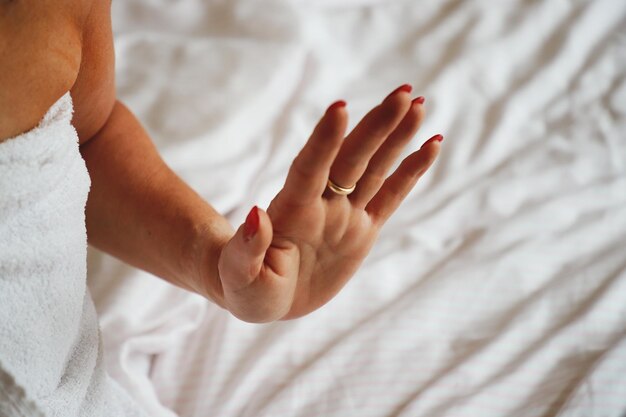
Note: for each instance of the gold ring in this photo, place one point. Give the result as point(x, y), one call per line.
point(340, 190)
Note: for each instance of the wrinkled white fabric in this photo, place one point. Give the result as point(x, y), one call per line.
point(50, 353)
point(496, 289)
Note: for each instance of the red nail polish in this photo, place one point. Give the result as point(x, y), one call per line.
point(407, 88)
point(419, 100)
point(336, 105)
point(438, 138)
point(252, 224)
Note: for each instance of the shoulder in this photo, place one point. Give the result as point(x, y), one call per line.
point(40, 56)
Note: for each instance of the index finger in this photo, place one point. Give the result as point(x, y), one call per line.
point(309, 171)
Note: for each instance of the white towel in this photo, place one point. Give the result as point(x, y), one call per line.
point(50, 348)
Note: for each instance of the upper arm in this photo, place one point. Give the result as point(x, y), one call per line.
point(93, 93)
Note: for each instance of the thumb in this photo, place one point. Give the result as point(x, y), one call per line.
point(243, 255)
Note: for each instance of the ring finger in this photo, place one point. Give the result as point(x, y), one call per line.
point(359, 146)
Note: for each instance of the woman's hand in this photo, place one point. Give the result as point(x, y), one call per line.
point(292, 259)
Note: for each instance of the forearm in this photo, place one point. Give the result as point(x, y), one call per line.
point(140, 212)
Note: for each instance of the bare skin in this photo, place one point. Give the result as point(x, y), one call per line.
point(309, 242)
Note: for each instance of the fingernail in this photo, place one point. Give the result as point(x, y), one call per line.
point(419, 100)
point(436, 137)
point(407, 88)
point(336, 105)
point(252, 224)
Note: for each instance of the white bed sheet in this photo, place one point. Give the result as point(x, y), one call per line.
point(499, 286)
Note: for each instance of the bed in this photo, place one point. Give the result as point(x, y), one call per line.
point(499, 286)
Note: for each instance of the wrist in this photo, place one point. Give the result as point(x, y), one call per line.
point(202, 255)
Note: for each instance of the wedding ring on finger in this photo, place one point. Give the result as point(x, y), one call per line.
point(338, 189)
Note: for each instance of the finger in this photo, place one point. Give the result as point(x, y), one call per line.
point(384, 158)
point(242, 257)
point(359, 146)
point(398, 185)
point(308, 173)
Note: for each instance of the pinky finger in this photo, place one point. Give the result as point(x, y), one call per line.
point(398, 185)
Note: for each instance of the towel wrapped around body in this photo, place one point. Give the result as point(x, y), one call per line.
point(50, 350)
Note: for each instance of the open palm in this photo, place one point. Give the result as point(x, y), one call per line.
point(311, 240)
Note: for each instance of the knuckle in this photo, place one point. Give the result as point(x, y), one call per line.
point(393, 110)
point(376, 176)
point(300, 168)
point(353, 162)
point(326, 130)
